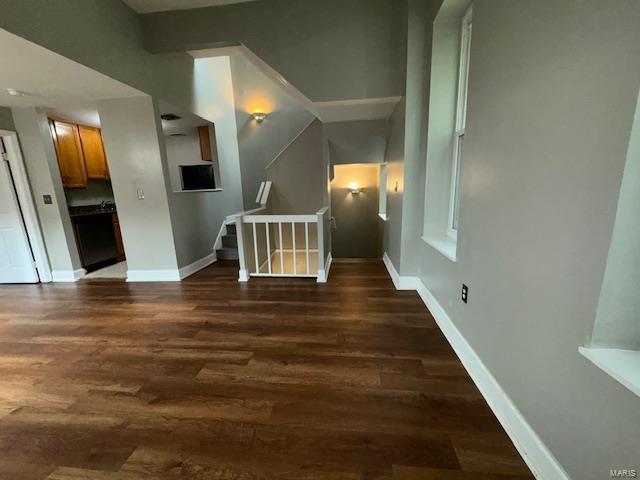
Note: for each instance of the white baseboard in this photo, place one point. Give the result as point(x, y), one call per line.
point(401, 283)
point(153, 275)
point(68, 275)
point(197, 265)
point(323, 275)
point(534, 452)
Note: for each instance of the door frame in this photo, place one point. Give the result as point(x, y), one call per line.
point(27, 204)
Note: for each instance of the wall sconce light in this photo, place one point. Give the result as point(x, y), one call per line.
point(354, 188)
point(259, 116)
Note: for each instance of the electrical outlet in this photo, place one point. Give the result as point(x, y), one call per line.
point(465, 293)
point(47, 199)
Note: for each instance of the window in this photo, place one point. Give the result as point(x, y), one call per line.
point(460, 123)
point(447, 123)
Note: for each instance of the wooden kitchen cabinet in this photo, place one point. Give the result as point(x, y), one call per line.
point(206, 151)
point(66, 139)
point(93, 152)
point(118, 235)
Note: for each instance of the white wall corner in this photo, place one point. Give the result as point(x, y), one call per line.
point(68, 275)
point(400, 282)
point(172, 275)
point(534, 452)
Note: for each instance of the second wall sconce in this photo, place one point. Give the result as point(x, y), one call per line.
point(354, 188)
point(259, 116)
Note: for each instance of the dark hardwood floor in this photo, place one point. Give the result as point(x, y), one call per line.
point(212, 379)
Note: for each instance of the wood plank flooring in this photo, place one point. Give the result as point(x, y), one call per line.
point(212, 379)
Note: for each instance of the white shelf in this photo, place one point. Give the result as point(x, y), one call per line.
point(443, 244)
point(622, 365)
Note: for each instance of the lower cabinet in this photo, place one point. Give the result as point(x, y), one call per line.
point(98, 239)
point(118, 235)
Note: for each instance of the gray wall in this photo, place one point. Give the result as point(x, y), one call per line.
point(6, 120)
point(549, 116)
point(359, 141)
point(358, 233)
point(133, 148)
point(418, 86)
point(330, 49)
point(104, 35)
point(44, 176)
point(394, 157)
point(260, 144)
point(299, 175)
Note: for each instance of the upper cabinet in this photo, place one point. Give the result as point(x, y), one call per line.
point(80, 153)
point(69, 152)
point(93, 151)
point(206, 151)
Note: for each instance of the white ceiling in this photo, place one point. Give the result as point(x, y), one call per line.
point(186, 123)
point(148, 6)
point(56, 83)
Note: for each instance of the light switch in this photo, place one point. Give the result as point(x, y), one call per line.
point(140, 194)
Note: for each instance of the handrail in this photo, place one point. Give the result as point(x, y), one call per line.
point(231, 218)
point(278, 218)
point(263, 191)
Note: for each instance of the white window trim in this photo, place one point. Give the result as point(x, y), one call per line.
point(461, 118)
point(622, 365)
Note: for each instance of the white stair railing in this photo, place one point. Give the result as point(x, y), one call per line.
point(277, 249)
point(283, 245)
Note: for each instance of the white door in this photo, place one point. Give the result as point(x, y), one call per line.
point(16, 260)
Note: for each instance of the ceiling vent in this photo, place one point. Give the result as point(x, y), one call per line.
point(169, 117)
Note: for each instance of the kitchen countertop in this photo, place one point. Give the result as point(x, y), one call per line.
point(87, 210)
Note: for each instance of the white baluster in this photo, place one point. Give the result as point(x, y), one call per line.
point(266, 226)
point(281, 249)
point(306, 239)
point(255, 247)
point(293, 233)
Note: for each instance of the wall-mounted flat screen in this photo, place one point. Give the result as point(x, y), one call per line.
point(197, 177)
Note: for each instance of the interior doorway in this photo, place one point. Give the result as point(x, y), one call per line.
point(22, 252)
point(355, 195)
point(88, 192)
